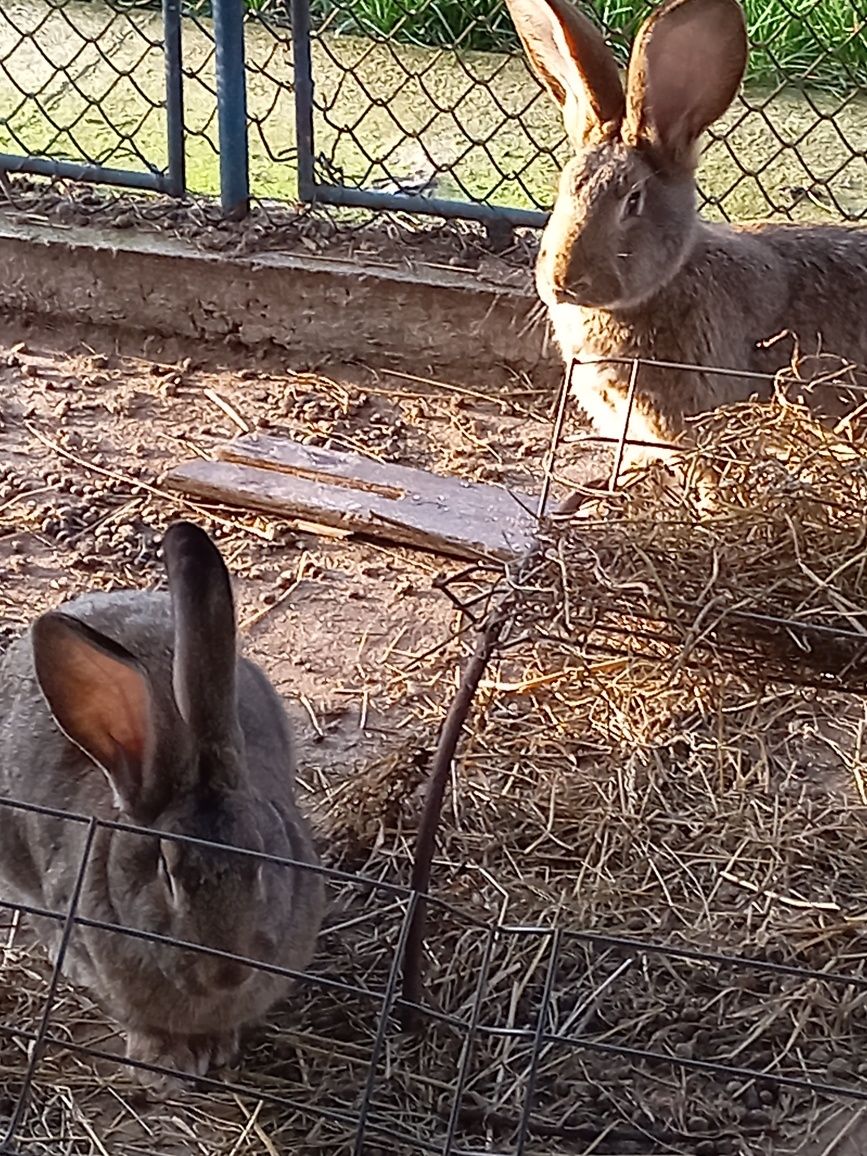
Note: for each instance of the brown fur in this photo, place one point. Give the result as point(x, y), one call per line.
point(626, 267)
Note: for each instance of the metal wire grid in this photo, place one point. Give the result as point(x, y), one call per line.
point(548, 1015)
point(381, 124)
point(85, 101)
point(557, 1019)
point(455, 132)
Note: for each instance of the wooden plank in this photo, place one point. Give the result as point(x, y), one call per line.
point(381, 500)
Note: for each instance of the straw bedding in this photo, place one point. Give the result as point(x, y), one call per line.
point(670, 748)
point(654, 757)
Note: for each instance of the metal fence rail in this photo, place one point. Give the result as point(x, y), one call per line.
point(380, 118)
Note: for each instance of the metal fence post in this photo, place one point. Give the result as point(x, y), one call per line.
point(232, 106)
point(300, 10)
point(177, 178)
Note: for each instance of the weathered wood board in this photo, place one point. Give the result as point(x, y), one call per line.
point(380, 500)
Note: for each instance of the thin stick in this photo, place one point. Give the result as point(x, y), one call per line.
point(229, 410)
point(257, 616)
point(621, 441)
point(556, 434)
point(486, 641)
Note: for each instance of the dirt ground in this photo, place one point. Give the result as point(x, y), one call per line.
point(89, 418)
point(90, 421)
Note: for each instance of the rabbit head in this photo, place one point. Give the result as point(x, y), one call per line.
point(624, 218)
point(174, 758)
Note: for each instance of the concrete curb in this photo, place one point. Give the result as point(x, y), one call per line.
point(428, 321)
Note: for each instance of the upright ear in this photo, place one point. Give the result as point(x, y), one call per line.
point(687, 62)
point(574, 63)
point(204, 673)
point(100, 698)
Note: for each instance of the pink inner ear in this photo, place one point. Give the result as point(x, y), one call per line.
point(108, 706)
point(670, 96)
point(572, 59)
point(101, 701)
point(127, 742)
point(686, 66)
point(683, 98)
point(594, 76)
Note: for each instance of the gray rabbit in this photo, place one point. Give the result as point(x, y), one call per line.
point(627, 269)
point(135, 707)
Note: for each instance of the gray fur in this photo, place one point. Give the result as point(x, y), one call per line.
point(177, 1008)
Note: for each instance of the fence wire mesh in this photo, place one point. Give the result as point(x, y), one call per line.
point(423, 99)
point(93, 92)
point(126, 93)
point(612, 967)
point(527, 1046)
point(427, 106)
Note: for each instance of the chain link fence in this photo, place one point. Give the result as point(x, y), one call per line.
point(535, 1039)
point(384, 104)
point(431, 99)
point(130, 94)
point(93, 92)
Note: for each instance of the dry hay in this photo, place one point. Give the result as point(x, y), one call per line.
point(785, 539)
point(656, 757)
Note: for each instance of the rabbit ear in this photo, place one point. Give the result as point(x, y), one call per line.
point(100, 698)
point(205, 644)
point(687, 62)
point(572, 60)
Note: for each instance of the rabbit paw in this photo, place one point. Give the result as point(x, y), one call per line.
point(578, 498)
point(600, 487)
point(194, 1055)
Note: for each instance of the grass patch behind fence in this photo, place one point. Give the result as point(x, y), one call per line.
point(810, 43)
point(821, 43)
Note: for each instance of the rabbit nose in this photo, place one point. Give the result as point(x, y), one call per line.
point(568, 282)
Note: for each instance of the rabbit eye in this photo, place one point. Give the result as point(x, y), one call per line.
point(633, 202)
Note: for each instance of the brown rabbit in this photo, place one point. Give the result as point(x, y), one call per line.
point(133, 706)
point(627, 269)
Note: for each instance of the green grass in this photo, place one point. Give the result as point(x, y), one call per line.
point(821, 43)
point(808, 43)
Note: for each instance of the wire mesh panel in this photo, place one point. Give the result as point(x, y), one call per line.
point(93, 92)
point(433, 101)
point(103, 92)
point(536, 1041)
